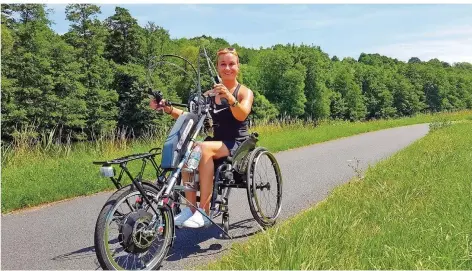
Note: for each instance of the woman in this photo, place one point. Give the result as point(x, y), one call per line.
point(230, 129)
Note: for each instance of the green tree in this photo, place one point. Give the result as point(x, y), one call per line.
point(345, 84)
point(38, 77)
point(282, 81)
point(317, 94)
point(87, 35)
point(414, 60)
point(155, 41)
point(263, 109)
point(378, 98)
point(124, 37)
point(337, 106)
point(134, 112)
point(292, 96)
point(405, 99)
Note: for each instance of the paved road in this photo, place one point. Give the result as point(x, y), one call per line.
point(60, 236)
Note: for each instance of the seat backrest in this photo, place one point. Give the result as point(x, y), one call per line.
point(177, 140)
point(241, 154)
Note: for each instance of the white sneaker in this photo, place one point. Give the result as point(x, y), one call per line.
point(184, 214)
point(197, 220)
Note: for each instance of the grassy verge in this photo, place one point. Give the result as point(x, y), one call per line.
point(412, 211)
point(30, 178)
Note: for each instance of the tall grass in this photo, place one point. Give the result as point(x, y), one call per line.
point(28, 144)
point(412, 211)
point(40, 171)
point(46, 170)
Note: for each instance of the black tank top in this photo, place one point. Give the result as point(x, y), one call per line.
point(225, 125)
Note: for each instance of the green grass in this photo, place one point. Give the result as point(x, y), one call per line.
point(299, 134)
point(34, 176)
point(411, 211)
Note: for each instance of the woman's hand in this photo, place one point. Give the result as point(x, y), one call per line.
point(159, 106)
point(209, 93)
point(223, 91)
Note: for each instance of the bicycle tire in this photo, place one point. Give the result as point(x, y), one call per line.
point(255, 202)
point(105, 257)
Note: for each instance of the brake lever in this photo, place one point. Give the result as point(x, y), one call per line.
point(157, 95)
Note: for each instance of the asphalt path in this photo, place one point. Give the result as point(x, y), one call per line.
point(60, 235)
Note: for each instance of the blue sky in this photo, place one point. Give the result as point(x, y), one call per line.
point(399, 31)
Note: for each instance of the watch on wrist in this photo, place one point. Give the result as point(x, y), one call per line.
point(235, 103)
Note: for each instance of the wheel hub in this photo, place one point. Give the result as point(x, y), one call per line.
point(134, 236)
point(262, 186)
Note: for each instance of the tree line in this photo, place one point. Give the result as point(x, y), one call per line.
point(93, 79)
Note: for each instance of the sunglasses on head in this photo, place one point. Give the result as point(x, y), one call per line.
point(227, 50)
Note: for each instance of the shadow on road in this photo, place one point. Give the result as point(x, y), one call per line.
point(188, 243)
point(78, 254)
point(88, 252)
point(203, 242)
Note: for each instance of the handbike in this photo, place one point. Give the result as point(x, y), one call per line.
point(135, 228)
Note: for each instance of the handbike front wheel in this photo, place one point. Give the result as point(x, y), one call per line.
point(127, 237)
point(264, 187)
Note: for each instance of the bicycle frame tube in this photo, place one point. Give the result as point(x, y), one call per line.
point(137, 183)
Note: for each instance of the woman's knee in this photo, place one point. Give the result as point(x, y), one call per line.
point(213, 149)
point(207, 149)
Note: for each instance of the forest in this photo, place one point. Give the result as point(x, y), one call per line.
point(93, 79)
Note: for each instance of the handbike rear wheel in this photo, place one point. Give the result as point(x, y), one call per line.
point(264, 187)
point(124, 235)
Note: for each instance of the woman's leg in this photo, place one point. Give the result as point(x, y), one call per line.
point(210, 150)
point(190, 196)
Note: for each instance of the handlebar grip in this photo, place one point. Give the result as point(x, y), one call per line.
point(156, 94)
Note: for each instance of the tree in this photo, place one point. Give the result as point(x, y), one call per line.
point(262, 109)
point(337, 106)
point(282, 81)
point(317, 94)
point(293, 97)
point(134, 112)
point(124, 37)
point(378, 98)
point(155, 41)
point(414, 60)
point(405, 99)
point(37, 81)
point(344, 83)
point(88, 35)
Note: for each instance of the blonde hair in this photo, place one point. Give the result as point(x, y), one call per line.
point(228, 50)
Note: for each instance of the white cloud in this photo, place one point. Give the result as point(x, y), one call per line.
point(449, 50)
point(442, 32)
point(451, 43)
